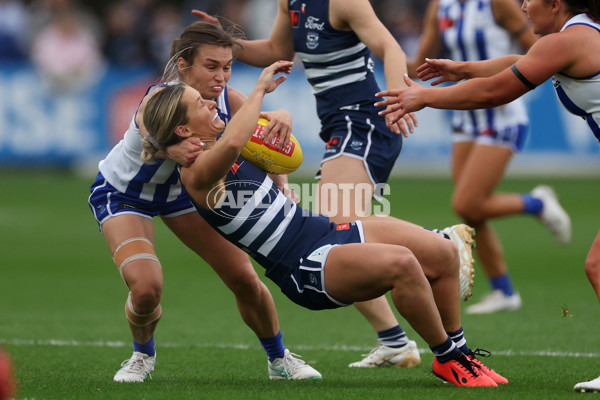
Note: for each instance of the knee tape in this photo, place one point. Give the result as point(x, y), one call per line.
point(141, 320)
point(137, 248)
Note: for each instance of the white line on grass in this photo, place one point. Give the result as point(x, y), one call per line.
point(239, 346)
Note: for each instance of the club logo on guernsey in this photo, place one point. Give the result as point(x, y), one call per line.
point(312, 40)
point(243, 196)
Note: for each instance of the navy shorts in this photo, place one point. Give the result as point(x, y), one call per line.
point(306, 286)
point(106, 202)
point(362, 135)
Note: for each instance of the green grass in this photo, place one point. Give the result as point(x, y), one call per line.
point(62, 319)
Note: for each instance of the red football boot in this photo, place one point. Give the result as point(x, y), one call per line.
point(496, 377)
point(461, 372)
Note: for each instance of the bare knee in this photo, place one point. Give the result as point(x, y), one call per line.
point(244, 283)
point(146, 297)
point(403, 267)
point(469, 210)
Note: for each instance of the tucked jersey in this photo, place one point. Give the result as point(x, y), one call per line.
point(581, 96)
point(337, 64)
point(470, 33)
point(258, 218)
point(157, 182)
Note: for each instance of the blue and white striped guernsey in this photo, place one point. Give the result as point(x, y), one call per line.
point(338, 65)
point(581, 96)
point(470, 33)
point(158, 182)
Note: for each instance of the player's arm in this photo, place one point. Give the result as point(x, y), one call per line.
point(430, 44)
point(508, 15)
point(549, 55)
point(279, 46)
point(211, 166)
point(264, 52)
point(280, 121)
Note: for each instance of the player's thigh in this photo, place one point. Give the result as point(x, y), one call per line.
point(345, 189)
point(482, 172)
point(460, 155)
point(435, 253)
point(228, 261)
point(364, 271)
point(119, 232)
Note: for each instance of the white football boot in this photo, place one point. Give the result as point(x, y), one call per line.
point(384, 356)
point(553, 216)
point(589, 386)
point(462, 235)
point(136, 369)
point(291, 368)
point(494, 302)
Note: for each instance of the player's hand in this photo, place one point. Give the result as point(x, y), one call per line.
point(400, 103)
point(281, 181)
point(267, 80)
point(280, 121)
point(401, 125)
point(443, 69)
point(206, 17)
point(186, 151)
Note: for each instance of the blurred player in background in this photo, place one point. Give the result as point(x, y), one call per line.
point(8, 382)
point(334, 39)
point(569, 53)
point(484, 141)
point(318, 264)
point(127, 195)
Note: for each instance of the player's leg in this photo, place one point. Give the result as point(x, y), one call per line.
point(346, 193)
point(477, 173)
point(253, 298)
point(592, 265)
point(355, 272)
point(439, 260)
point(130, 239)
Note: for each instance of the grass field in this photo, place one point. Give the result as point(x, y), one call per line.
point(62, 319)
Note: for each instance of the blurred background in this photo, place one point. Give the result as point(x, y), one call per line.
point(72, 74)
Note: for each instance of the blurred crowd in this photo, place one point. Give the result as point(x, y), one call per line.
point(71, 41)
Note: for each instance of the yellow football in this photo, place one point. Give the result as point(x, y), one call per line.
point(268, 157)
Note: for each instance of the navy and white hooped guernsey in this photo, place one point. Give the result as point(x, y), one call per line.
point(581, 96)
point(337, 64)
point(258, 218)
point(291, 243)
point(470, 33)
point(157, 182)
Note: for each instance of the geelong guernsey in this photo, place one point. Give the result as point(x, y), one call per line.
point(258, 218)
point(337, 64)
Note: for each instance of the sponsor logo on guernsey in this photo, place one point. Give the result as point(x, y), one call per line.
point(312, 279)
point(312, 40)
point(313, 23)
point(333, 143)
point(294, 18)
point(342, 227)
